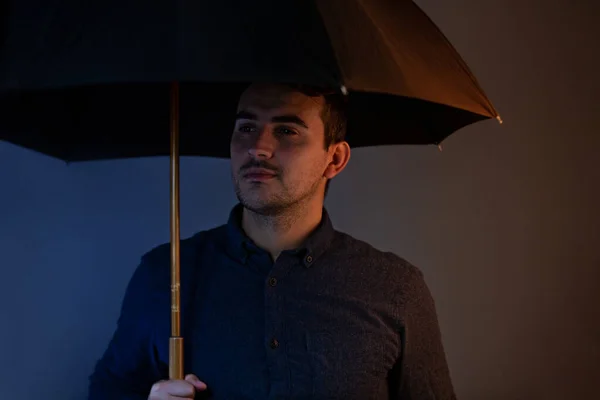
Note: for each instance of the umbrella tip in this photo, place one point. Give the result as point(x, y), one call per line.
point(499, 119)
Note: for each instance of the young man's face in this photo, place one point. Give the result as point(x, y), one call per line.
point(278, 154)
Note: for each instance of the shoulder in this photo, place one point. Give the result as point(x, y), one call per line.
point(187, 245)
point(384, 269)
point(372, 257)
point(390, 275)
point(156, 262)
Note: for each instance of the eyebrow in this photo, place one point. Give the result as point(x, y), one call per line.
point(286, 118)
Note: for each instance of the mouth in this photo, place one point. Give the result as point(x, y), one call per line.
point(259, 175)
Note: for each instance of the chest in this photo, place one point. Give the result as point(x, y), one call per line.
point(290, 332)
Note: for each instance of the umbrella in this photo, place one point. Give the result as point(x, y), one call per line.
point(103, 80)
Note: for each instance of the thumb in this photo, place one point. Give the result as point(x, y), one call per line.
point(193, 379)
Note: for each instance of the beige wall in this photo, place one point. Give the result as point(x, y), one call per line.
point(504, 222)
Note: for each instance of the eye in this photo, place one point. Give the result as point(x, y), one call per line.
point(246, 129)
point(283, 130)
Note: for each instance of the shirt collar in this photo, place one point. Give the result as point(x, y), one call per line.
point(240, 245)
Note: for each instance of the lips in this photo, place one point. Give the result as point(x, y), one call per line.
point(260, 175)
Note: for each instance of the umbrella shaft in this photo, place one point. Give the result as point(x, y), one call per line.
point(176, 342)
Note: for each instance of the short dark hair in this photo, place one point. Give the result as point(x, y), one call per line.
point(333, 113)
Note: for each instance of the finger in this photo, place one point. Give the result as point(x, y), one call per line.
point(198, 384)
point(181, 389)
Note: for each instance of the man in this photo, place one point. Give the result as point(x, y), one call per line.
point(276, 304)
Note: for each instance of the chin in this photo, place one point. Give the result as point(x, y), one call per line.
point(262, 205)
point(266, 208)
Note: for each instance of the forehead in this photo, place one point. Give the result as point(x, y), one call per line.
point(276, 98)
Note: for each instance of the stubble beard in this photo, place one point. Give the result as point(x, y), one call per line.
point(281, 205)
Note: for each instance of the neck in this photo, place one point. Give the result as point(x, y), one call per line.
point(284, 231)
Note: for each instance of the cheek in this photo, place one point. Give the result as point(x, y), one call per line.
point(238, 151)
point(236, 158)
point(237, 144)
point(306, 169)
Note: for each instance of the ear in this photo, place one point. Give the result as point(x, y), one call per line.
point(340, 155)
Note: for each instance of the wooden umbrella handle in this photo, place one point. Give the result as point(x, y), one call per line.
point(176, 341)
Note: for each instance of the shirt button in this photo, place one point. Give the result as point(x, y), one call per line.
point(274, 343)
point(309, 259)
point(273, 282)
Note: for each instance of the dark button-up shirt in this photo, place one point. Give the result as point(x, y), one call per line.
point(334, 319)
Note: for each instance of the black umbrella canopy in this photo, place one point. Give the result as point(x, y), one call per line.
point(90, 80)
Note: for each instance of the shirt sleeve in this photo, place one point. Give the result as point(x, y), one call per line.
point(128, 368)
point(421, 372)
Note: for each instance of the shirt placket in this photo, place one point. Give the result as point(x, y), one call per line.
point(275, 326)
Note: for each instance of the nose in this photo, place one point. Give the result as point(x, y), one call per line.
point(262, 146)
